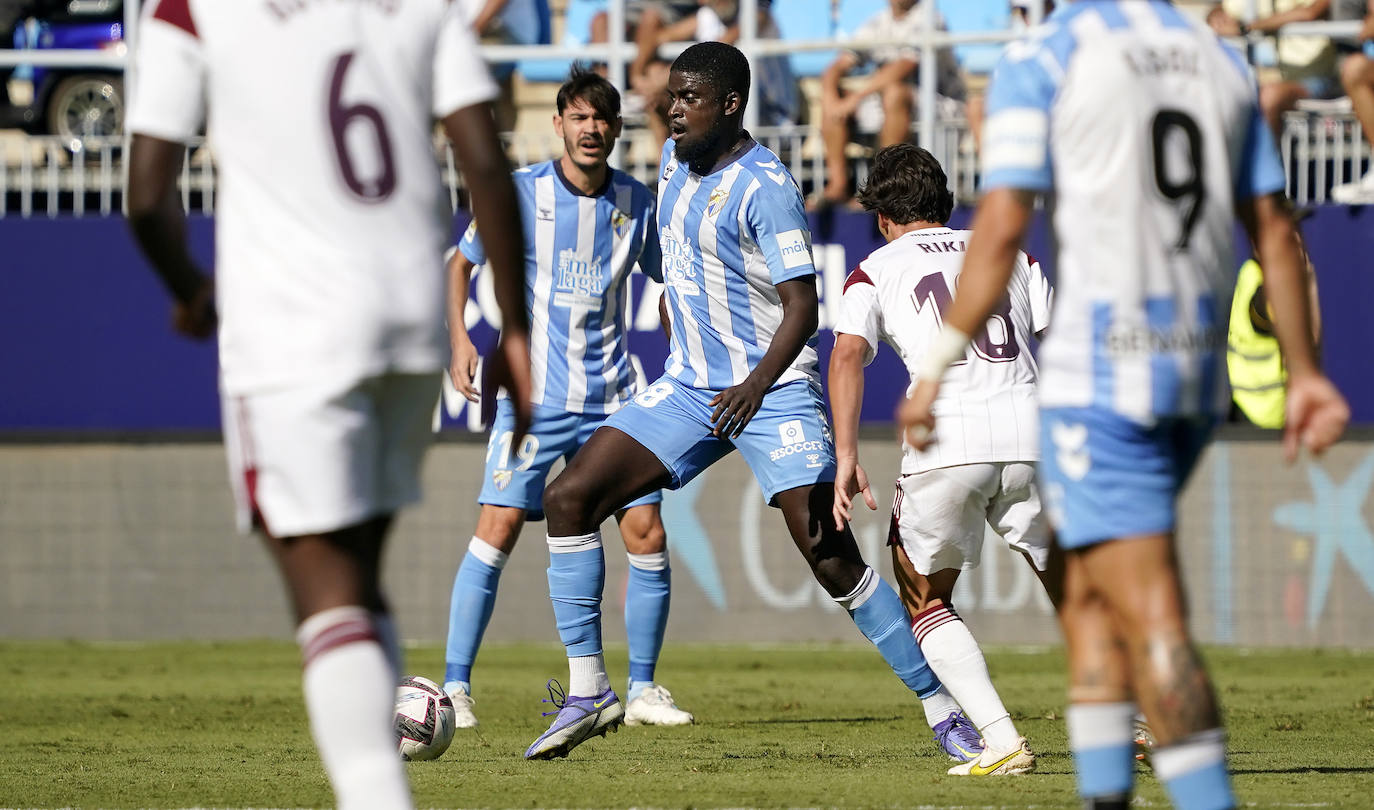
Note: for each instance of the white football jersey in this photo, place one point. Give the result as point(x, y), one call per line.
point(986, 410)
point(1146, 128)
point(331, 220)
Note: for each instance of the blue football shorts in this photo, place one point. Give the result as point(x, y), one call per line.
point(787, 444)
point(1105, 477)
point(515, 476)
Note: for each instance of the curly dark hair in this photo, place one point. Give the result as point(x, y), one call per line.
point(591, 87)
point(724, 67)
point(906, 184)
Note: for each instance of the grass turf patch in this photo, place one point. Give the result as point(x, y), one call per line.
point(222, 725)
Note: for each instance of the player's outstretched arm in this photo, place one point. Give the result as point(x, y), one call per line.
point(999, 227)
point(735, 406)
point(1316, 412)
point(846, 400)
point(159, 226)
point(494, 204)
point(462, 367)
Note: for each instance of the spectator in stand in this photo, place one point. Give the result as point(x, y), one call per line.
point(779, 95)
point(507, 22)
point(1307, 64)
point(644, 21)
point(1357, 77)
point(889, 91)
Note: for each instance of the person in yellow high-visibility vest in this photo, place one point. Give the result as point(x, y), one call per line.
point(1253, 362)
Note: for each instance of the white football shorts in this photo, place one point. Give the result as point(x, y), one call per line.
point(939, 515)
point(319, 457)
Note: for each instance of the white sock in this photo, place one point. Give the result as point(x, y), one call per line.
point(587, 675)
point(1189, 754)
point(955, 657)
point(487, 553)
point(939, 706)
point(863, 591)
point(350, 695)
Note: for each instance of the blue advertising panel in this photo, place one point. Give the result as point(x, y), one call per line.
point(89, 348)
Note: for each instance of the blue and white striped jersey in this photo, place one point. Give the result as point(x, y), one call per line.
point(728, 240)
point(1147, 129)
point(579, 251)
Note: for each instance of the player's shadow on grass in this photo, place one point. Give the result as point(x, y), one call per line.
point(1323, 769)
point(771, 721)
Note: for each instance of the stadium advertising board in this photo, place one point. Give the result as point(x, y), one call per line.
point(88, 347)
point(137, 542)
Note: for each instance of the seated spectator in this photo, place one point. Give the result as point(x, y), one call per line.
point(508, 22)
point(644, 21)
point(1357, 77)
point(1307, 64)
point(779, 96)
point(890, 91)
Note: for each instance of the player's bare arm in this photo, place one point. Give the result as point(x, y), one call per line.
point(999, 228)
point(462, 367)
point(664, 320)
point(159, 225)
point(735, 406)
point(473, 132)
point(846, 401)
point(1316, 412)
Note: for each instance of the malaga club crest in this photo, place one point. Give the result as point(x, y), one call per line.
point(716, 201)
point(619, 221)
point(501, 478)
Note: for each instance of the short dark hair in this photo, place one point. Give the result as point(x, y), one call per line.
point(906, 184)
point(724, 67)
point(591, 87)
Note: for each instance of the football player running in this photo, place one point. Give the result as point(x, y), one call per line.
point(980, 470)
point(1146, 130)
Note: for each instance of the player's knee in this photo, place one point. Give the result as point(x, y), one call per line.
point(645, 536)
point(838, 576)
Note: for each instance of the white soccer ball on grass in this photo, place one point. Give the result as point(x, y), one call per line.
point(424, 719)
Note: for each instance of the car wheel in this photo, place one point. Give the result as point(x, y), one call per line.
point(86, 106)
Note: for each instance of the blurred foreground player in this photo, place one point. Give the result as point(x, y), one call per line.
point(588, 226)
point(741, 292)
point(1147, 129)
point(330, 288)
point(981, 470)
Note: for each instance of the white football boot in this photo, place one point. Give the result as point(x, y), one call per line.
point(998, 763)
point(655, 707)
point(463, 716)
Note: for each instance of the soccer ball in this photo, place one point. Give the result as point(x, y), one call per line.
point(424, 719)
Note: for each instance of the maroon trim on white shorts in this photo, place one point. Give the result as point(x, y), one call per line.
point(177, 13)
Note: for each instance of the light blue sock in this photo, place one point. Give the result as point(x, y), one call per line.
point(1102, 738)
point(577, 575)
point(646, 615)
point(878, 612)
point(1194, 772)
point(469, 610)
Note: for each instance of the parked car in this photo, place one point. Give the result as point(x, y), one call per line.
point(74, 102)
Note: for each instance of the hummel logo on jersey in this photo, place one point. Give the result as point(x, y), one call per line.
point(668, 170)
point(777, 177)
point(1071, 451)
point(546, 214)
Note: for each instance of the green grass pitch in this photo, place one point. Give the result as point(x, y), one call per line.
point(222, 725)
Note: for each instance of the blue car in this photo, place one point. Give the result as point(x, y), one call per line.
point(74, 102)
